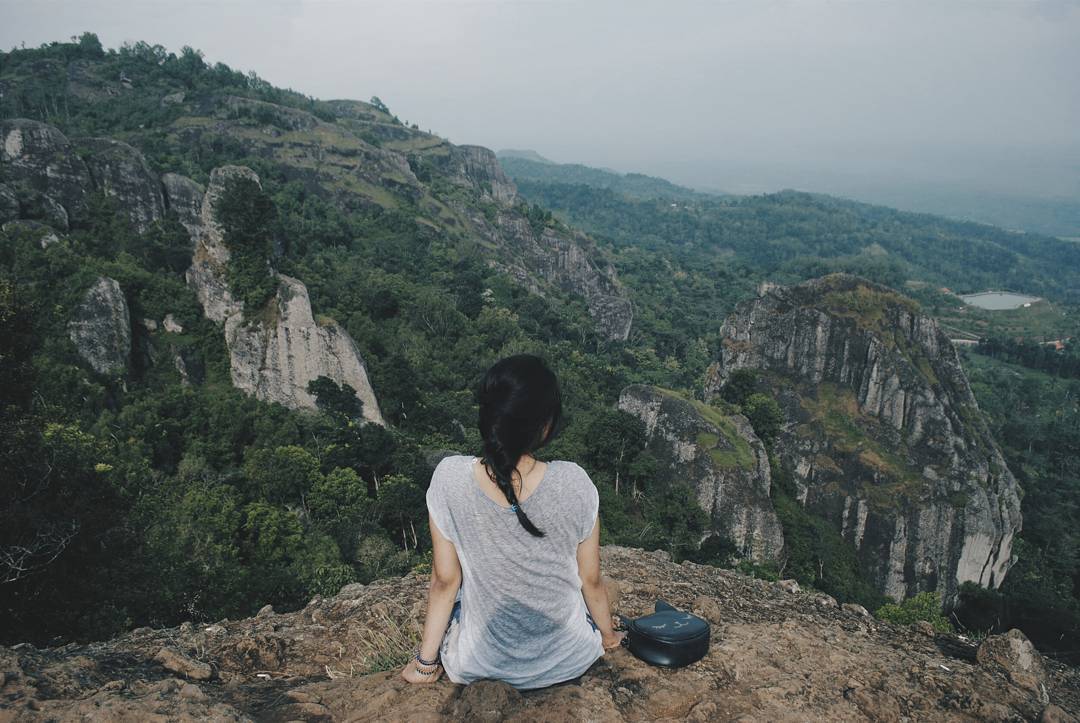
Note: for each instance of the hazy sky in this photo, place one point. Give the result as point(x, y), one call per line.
point(746, 95)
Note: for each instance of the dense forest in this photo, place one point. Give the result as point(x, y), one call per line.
point(151, 497)
point(791, 235)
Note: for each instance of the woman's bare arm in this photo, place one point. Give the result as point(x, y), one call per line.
point(593, 589)
point(445, 581)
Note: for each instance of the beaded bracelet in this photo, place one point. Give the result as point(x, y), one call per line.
point(433, 664)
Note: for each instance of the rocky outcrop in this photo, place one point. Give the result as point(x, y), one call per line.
point(273, 355)
point(40, 156)
point(274, 360)
point(478, 167)
point(719, 455)
point(559, 257)
point(185, 197)
point(773, 655)
point(122, 172)
point(101, 329)
point(884, 436)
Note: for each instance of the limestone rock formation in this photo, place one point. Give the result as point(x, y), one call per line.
point(478, 166)
point(274, 356)
point(121, 171)
point(40, 156)
point(719, 455)
point(101, 328)
point(275, 362)
point(773, 656)
point(560, 258)
point(884, 435)
point(185, 196)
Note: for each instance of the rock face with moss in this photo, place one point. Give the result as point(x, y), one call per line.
point(40, 157)
point(101, 327)
point(121, 171)
point(275, 353)
point(883, 434)
point(719, 455)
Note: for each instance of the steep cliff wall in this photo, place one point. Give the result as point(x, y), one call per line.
point(720, 457)
point(883, 433)
point(274, 356)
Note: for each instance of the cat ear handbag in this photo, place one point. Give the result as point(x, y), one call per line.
point(669, 637)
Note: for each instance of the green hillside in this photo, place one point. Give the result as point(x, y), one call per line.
point(161, 493)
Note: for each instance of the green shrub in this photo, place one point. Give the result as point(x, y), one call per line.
point(925, 606)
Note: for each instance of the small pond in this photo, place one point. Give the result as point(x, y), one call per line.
point(998, 300)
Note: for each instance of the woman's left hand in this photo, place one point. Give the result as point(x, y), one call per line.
point(411, 674)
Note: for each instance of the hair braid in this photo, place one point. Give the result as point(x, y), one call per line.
point(520, 412)
point(496, 459)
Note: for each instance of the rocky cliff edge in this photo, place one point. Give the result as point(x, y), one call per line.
point(775, 655)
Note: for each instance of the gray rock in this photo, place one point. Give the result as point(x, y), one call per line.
point(41, 156)
point(276, 362)
point(855, 609)
point(721, 458)
point(101, 329)
point(9, 204)
point(55, 214)
point(561, 259)
point(1014, 654)
point(884, 436)
point(173, 98)
point(478, 167)
point(184, 196)
point(121, 171)
point(176, 662)
point(273, 358)
point(44, 234)
point(788, 586)
point(171, 325)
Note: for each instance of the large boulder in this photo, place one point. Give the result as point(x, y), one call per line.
point(121, 171)
point(101, 328)
point(40, 156)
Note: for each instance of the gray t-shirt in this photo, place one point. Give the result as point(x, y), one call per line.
point(522, 616)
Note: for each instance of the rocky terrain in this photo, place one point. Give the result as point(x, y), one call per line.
point(722, 458)
point(774, 655)
point(883, 434)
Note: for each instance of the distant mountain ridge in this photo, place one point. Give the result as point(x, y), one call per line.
point(531, 166)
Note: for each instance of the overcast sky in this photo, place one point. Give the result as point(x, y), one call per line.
point(748, 95)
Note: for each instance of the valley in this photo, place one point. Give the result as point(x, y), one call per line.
point(239, 326)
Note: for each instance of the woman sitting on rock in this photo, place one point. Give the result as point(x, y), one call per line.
point(516, 593)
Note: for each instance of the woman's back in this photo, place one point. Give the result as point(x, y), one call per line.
point(523, 618)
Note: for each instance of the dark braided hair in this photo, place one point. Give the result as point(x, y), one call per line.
point(520, 411)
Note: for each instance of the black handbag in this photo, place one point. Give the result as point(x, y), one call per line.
point(668, 637)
